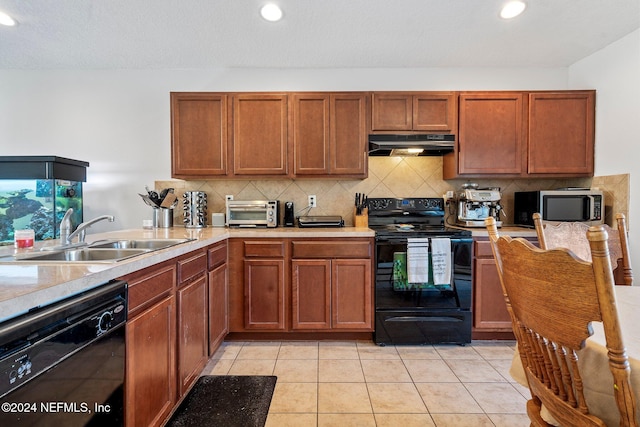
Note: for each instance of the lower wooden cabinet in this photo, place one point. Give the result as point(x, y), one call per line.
point(490, 316)
point(193, 340)
point(150, 365)
point(264, 294)
point(218, 296)
point(293, 285)
point(331, 294)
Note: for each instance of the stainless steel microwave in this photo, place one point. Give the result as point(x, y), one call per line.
point(252, 213)
point(581, 205)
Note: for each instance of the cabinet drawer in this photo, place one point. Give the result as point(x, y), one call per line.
point(144, 290)
point(217, 255)
point(192, 266)
point(264, 249)
point(483, 248)
point(331, 249)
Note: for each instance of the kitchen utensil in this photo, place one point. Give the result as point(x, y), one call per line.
point(169, 200)
point(148, 200)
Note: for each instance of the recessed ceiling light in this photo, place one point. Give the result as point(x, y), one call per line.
point(271, 12)
point(512, 9)
point(6, 19)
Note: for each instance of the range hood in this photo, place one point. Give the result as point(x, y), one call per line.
point(411, 145)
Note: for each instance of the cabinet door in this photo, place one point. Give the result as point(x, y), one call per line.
point(218, 300)
point(198, 134)
point(491, 134)
point(435, 112)
point(351, 299)
point(561, 133)
point(193, 349)
point(391, 111)
point(264, 296)
point(260, 134)
point(348, 142)
point(311, 134)
point(489, 308)
point(311, 294)
point(151, 368)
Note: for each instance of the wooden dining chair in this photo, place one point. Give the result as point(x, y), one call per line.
point(573, 236)
point(553, 297)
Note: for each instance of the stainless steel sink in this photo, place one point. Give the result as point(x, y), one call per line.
point(95, 255)
point(150, 244)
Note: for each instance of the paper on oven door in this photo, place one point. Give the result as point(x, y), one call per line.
point(441, 260)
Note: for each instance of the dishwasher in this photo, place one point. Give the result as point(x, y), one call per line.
point(63, 364)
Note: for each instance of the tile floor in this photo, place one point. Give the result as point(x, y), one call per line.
point(357, 383)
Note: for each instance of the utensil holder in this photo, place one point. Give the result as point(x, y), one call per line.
point(194, 206)
point(361, 220)
point(162, 218)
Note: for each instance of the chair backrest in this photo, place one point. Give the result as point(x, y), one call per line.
point(552, 297)
point(573, 236)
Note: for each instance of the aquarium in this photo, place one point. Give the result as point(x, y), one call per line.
point(35, 193)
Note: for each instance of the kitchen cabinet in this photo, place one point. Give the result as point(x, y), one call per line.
point(259, 141)
point(491, 133)
point(331, 285)
point(264, 284)
point(491, 319)
point(524, 134)
point(561, 133)
point(150, 385)
point(198, 134)
point(192, 303)
point(329, 132)
point(218, 295)
point(414, 111)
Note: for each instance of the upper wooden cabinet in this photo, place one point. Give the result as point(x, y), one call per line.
point(414, 111)
point(259, 134)
point(329, 132)
point(561, 133)
point(491, 136)
point(524, 134)
point(198, 134)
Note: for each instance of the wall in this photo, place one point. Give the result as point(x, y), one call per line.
point(118, 120)
point(614, 72)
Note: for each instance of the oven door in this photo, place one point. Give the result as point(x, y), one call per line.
point(391, 293)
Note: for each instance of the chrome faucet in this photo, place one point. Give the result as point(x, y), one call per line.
point(66, 226)
point(81, 230)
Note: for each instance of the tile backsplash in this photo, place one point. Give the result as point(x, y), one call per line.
point(388, 177)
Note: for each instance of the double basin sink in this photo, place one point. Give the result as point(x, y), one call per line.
point(101, 251)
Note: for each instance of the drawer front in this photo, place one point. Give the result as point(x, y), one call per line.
point(189, 268)
point(332, 249)
point(217, 255)
point(146, 289)
point(272, 249)
point(483, 248)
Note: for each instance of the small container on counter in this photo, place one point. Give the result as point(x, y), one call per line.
point(23, 238)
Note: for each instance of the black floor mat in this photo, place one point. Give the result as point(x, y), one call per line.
point(229, 401)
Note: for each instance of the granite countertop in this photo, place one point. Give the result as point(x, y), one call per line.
point(27, 285)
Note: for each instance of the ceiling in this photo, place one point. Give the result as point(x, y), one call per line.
point(160, 34)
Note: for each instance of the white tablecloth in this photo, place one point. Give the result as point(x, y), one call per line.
point(593, 361)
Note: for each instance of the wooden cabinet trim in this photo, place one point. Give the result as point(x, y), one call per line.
point(217, 255)
point(146, 289)
point(331, 249)
point(264, 248)
point(194, 265)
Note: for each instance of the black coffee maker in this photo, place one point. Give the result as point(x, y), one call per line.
point(288, 220)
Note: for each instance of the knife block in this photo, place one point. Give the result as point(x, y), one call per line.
point(361, 220)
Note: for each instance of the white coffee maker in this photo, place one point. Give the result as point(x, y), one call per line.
point(475, 205)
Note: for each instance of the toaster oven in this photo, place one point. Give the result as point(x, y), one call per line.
point(252, 213)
